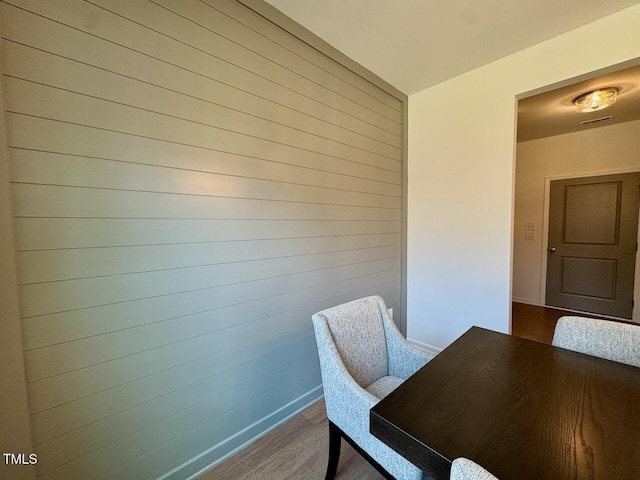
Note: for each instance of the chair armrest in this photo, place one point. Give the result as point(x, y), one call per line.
point(407, 360)
point(404, 358)
point(347, 403)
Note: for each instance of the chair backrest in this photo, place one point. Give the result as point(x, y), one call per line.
point(465, 469)
point(358, 334)
point(607, 339)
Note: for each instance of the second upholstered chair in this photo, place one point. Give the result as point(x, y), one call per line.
point(607, 339)
point(363, 357)
point(465, 469)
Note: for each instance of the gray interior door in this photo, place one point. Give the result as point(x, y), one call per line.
point(593, 225)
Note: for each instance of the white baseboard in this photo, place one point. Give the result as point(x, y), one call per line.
point(527, 301)
point(230, 446)
point(424, 346)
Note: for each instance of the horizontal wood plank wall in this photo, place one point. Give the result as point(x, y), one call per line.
point(190, 184)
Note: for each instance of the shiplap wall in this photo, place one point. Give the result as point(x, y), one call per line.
point(190, 183)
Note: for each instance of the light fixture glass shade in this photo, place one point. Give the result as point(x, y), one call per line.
point(596, 100)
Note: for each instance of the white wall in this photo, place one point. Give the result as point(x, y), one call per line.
point(461, 168)
point(609, 149)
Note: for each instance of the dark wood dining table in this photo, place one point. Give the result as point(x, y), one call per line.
point(523, 410)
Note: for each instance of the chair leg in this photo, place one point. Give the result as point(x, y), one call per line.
point(334, 451)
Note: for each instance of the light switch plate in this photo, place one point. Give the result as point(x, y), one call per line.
point(530, 226)
point(530, 235)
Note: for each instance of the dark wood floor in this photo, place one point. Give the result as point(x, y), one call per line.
point(297, 450)
point(537, 323)
point(534, 323)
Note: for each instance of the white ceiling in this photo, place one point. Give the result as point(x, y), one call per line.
point(414, 44)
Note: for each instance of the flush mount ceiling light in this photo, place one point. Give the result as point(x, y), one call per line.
point(596, 100)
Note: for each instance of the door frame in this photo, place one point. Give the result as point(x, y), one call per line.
point(545, 239)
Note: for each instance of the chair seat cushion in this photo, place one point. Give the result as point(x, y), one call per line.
point(384, 386)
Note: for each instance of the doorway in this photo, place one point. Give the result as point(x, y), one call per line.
point(553, 144)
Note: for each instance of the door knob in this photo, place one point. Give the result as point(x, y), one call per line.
point(552, 250)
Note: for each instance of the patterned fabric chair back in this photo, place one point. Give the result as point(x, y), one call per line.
point(606, 339)
point(358, 333)
point(465, 469)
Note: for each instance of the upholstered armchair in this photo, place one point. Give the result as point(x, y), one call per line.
point(465, 469)
point(606, 339)
point(363, 357)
